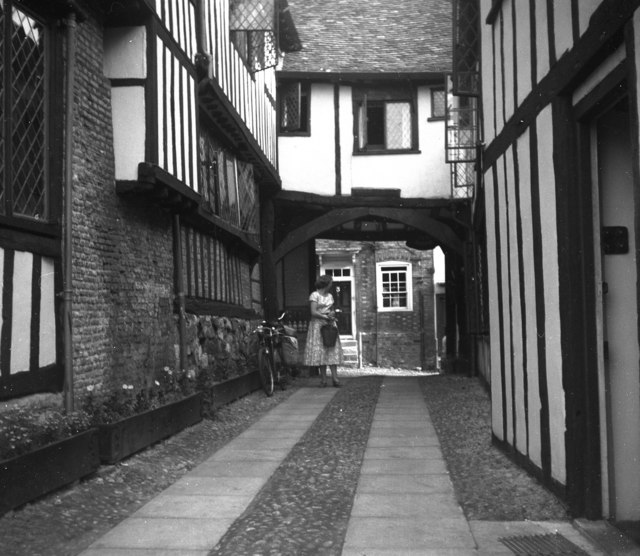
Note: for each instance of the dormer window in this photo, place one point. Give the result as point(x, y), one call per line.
point(385, 120)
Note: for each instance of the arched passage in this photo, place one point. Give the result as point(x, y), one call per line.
point(415, 218)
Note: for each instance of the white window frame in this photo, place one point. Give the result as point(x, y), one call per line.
point(405, 267)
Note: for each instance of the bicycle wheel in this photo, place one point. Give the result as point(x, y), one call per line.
point(266, 372)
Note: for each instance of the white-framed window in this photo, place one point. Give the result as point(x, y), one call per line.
point(385, 120)
point(394, 286)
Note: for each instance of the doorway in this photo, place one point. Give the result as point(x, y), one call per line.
point(617, 318)
point(343, 296)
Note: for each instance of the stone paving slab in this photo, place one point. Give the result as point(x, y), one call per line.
point(405, 503)
point(142, 552)
point(429, 507)
point(195, 512)
point(404, 467)
point(165, 533)
point(403, 452)
point(387, 441)
point(399, 533)
point(397, 484)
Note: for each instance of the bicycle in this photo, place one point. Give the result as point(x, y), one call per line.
point(272, 365)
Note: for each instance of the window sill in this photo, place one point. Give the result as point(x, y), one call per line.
point(437, 119)
point(386, 152)
point(395, 310)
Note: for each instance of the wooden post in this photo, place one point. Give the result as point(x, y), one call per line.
point(269, 282)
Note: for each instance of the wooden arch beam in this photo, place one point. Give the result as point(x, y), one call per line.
point(415, 218)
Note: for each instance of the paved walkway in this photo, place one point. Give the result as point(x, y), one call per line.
point(404, 502)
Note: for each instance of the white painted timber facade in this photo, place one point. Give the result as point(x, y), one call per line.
point(561, 174)
point(308, 164)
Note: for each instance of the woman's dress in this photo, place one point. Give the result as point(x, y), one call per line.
point(315, 353)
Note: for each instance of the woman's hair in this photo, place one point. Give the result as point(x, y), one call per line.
point(323, 281)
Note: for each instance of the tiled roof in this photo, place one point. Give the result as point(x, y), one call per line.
point(371, 36)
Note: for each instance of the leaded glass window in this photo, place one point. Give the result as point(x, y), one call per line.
point(23, 113)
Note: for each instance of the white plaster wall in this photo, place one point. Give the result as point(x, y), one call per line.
point(523, 40)
point(542, 39)
point(307, 163)
point(125, 54)
point(509, 73)
point(506, 312)
point(530, 319)
point(494, 314)
point(128, 114)
point(498, 90)
point(552, 298)
point(519, 426)
point(47, 314)
point(21, 325)
point(585, 11)
point(563, 27)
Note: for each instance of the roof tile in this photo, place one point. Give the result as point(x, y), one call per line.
point(371, 36)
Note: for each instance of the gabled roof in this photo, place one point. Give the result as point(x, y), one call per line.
point(365, 36)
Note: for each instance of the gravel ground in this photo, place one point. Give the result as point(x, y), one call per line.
point(66, 522)
point(488, 485)
point(304, 509)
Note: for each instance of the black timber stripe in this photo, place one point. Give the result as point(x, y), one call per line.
point(36, 298)
point(603, 33)
point(187, 255)
point(545, 434)
point(338, 149)
point(7, 313)
point(574, 275)
point(507, 203)
point(551, 32)
point(534, 51)
point(523, 304)
point(496, 206)
point(210, 263)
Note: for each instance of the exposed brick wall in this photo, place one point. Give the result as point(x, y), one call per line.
point(400, 338)
point(124, 326)
point(123, 323)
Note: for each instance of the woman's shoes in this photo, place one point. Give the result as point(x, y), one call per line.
point(336, 384)
point(323, 384)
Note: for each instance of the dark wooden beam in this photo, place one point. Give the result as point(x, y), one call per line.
point(604, 34)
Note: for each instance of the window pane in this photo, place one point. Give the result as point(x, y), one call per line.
point(28, 111)
point(375, 125)
point(437, 103)
point(2, 115)
point(398, 125)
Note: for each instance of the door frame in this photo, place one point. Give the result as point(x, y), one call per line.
point(339, 264)
point(598, 487)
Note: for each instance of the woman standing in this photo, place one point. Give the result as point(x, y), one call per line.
point(322, 312)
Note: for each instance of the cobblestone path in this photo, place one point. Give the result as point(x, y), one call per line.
point(304, 508)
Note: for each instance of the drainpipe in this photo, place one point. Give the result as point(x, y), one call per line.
point(179, 289)
point(68, 214)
